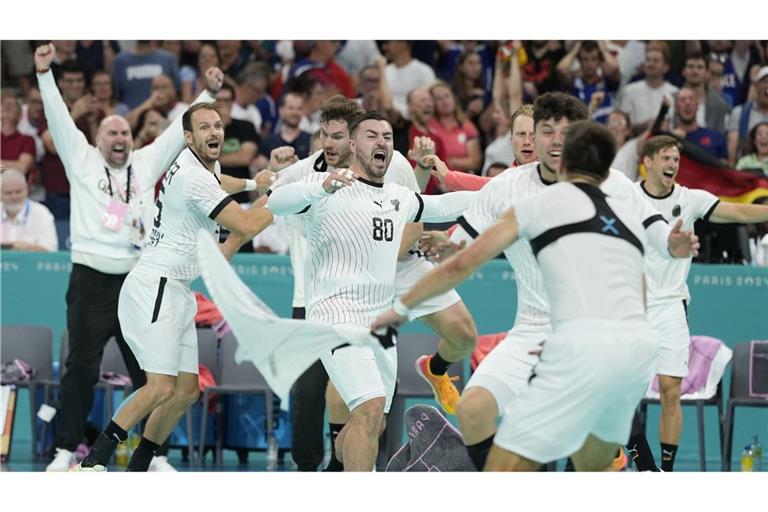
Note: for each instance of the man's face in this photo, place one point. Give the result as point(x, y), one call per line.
point(14, 193)
point(619, 127)
point(251, 92)
point(445, 103)
point(686, 105)
point(550, 135)
point(663, 166)
point(761, 88)
point(472, 67)
point(655, 67)
point(102, 86)
point(523, 140)
point(334, 139)
point(590, 62)
point(421, 107)
point(207, 135)
point(292, 110)
point(11, 111)
point(369, 82)
point(114, 140)
point(163, 85)
point(207, 58)
point(373, 147)
point(695, 72)
point(224, 100)
point(72, 86)
point(716, 72)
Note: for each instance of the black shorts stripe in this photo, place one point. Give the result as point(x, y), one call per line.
point(421, 208)
point(305, 210)
point(159, 299)
point(653, 218)
point(223, 204)
point(469, 229)
point(711, 210)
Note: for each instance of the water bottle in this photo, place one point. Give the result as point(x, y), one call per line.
point(747, 459)
point(757, 454)
point(121, 454)
point(272, 453)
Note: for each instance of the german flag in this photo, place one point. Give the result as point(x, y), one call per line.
point(698, 169)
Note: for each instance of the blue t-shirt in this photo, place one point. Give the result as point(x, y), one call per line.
point(584, 92)
point(300, 144)
point(132, 75)
point(269, 113)
point(710, 140)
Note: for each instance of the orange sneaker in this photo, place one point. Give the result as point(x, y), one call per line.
point(620, 462)
point(443, 386)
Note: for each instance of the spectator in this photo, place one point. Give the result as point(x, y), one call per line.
point(713, 109)
point(458, 134)
point(289, 133)
point(539, 74)
point(757, 157)
point(404, 73)
point(95, 106)
point(251, 88)
point(17, 151)
point(314, 93)
point(597, 71)
point(746, 116)
point(241, 142)
point(469, 84)
point(99, 55)
point(192, 81)
point(133, 72)
point(687, 127)
point(233, 56)
point(164, 98)
point(627, 158)
point(16, 56)
point(320, 63)
point(369, 85)
point(150, 125)
point(27, 224)
point(501, 149)
point(642, 100)
point(355, 55)
point(32, 121)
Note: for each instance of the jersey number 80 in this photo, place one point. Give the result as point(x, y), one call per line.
point(383, 229)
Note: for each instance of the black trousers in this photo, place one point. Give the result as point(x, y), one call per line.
point(91, 320)
point(308, 413)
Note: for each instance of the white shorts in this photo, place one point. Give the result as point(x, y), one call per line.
point(358, 375)
point(505, 370)
point(671, 325)
point(158, 322)
point(589, 380)
point(408, 274)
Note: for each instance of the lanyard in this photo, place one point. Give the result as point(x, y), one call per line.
point(127, 185)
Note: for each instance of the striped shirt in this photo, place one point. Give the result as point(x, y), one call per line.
point(353, 239)
point(190, 198)
point(667, 279)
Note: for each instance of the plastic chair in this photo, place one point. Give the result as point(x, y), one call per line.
point(410, 385)
point(234, 379)
point(739, 397)
point(34, 345)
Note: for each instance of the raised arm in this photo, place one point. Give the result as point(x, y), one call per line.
point(296, 197)
point(68, 140)
point(445, 207)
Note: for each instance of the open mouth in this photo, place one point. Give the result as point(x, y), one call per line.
point(213, 144)
point(380, 156)
point(118, 149)
point(669, 174)
point(555, 154)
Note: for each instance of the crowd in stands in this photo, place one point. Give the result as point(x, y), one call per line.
point(461, 94)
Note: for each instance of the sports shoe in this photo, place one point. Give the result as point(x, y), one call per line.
point(443, 386)
point(63, 460)
point(160, 463)
point(620, 462)
point(98, 468)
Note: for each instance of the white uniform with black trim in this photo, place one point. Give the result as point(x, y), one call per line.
point(668, 294)
point(505, 370)
point(595, 365)
point(409, 271)
point(353, 238)
point(156, 306)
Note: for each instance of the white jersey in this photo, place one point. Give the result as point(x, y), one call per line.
point(190, 198)
point(589, 247)
point(667, 279)
point(353, 239)
point(399, 171)
point(502, 193)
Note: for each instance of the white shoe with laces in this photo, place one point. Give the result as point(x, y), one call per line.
point(63, 460)
point(160, 463)
point(78, 468)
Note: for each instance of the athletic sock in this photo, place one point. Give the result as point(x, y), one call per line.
point(142, 455)
point(668, 453)
point(479, 452)
point(641, 453)
point(334, 465)
point(438, 365)
point(105, 445)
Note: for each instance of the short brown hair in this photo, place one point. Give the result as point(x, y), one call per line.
point(339, 108)
point(186, 119)
point(525, 110)
point(658, 143)
point(659, 46)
